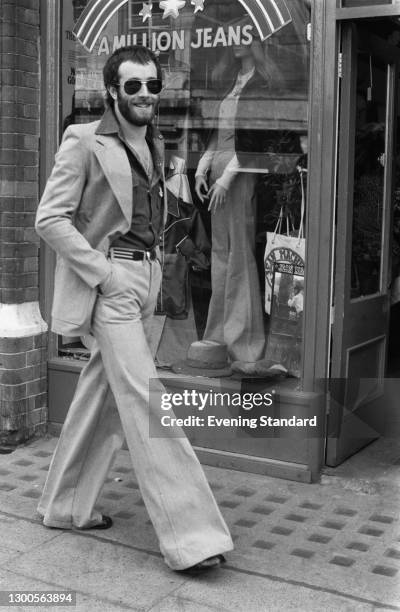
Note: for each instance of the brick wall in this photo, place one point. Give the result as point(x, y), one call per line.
point(22, 357)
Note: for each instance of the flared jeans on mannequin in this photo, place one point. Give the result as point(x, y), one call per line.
point(235, 312)
point(175, 491)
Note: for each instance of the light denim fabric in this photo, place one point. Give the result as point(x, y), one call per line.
point(175, 491)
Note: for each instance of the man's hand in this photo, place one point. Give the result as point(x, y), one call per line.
point(201, 187)
point(217, 195)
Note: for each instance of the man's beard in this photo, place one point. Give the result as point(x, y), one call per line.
point(133, 115)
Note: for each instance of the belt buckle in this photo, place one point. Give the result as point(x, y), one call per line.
point(145, 254)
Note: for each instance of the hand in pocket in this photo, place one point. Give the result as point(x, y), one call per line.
point(106, 285)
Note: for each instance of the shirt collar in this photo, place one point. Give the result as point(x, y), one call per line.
point(109, 125)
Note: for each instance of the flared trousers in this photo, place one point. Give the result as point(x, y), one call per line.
point(175, 491)
point(235, 311)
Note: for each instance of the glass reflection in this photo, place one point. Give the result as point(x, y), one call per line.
point(233, 113)
point(368, 176)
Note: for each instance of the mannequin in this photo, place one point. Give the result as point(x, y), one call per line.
point(235, 311)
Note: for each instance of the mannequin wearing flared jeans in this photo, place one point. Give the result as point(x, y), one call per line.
point(235, 311)
point(235, 315)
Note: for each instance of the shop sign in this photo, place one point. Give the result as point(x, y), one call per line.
point(267, 16)
point(180, 39)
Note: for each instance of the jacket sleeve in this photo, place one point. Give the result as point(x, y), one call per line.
point(60, 201)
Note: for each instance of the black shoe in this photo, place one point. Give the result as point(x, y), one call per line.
point(204, 566)
point(105, 523)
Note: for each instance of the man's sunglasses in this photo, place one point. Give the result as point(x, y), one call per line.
point(132, 86)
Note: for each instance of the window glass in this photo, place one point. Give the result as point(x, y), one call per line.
point(233, 114)
point(369, 174)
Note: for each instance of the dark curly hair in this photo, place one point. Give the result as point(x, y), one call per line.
point(133, 53)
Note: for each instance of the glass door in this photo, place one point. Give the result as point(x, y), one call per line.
point(364, 211)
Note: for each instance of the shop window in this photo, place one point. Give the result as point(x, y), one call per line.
point(233, 110)
point(369, 170)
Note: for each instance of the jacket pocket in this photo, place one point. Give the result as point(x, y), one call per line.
point(73, 299)
point(106, 285)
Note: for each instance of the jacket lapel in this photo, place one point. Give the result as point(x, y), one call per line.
point(115, 165)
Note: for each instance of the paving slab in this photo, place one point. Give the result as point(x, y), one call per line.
point(184, 604)
point(6, 554)
point(231, 591)
point(99, 569)
point(11, 581)
point(22, 536)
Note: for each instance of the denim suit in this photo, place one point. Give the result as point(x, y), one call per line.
point(87, 203)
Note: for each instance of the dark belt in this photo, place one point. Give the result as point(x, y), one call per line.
point(132, 254)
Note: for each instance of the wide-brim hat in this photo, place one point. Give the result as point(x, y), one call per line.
point(205, 358)
point(182, 367)
point(264, 368)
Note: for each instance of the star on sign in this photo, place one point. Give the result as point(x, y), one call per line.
point(172, 7)
point(198, 4)
point(146, 11)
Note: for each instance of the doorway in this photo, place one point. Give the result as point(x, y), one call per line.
point(363, 353)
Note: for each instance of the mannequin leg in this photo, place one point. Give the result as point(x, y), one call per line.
point(243, 321)
point(235, 311)
point(219, 262)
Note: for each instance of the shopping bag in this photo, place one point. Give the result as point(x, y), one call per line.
point(284, 294)
point(287, 250)
point(285, 334)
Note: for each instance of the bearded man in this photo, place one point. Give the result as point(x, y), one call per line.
point(103, 211)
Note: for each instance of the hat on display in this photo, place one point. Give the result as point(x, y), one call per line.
point(205, 358)
point(264, 368)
